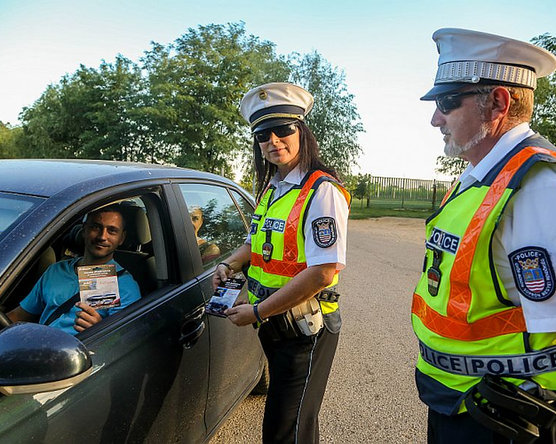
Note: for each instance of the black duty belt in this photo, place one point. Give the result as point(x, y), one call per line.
point(328, 295)
point(282, 326)
point(262, 292)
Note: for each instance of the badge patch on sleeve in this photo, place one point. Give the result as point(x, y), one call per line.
point(533, 273)
point(324, 232)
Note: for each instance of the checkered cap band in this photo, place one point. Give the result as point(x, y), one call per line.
point(475, 71)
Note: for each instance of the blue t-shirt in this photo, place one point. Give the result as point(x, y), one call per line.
point(59, 283)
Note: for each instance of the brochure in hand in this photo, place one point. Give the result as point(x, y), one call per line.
point(224, 297)
point(98, 286)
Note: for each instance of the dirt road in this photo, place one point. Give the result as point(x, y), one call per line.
point(371, 397)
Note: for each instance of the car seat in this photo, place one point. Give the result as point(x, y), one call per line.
point(135, 254)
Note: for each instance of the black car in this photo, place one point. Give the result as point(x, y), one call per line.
point(159, 371)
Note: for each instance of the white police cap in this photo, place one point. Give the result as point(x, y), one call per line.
point(275, 104)
point(469, 57)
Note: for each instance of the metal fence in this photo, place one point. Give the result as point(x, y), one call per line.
point(404, 192)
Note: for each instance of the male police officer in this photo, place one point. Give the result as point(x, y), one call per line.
point(485, 304)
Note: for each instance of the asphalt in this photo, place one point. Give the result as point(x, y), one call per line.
point(371, 395)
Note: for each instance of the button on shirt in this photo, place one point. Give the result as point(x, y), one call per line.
point(327, 201)
point(527, 221)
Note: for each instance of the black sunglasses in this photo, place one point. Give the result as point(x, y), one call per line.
point(280, 131)
point(451, 102)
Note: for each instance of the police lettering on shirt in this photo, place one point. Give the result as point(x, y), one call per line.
point(524, 365)
point(442, 240)
point(277, 225)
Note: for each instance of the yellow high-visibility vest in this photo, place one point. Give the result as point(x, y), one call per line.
point(283, 223)
point(465, 322)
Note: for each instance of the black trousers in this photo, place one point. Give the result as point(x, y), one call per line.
point(299, 370)
point(460, 429)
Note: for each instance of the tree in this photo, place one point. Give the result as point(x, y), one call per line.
point(334, 119)
point(450, 166)
point(544, 114)
point(195, 86)
point(89, 114)
point(180, 104)
point(9, 137)
point(363, 188)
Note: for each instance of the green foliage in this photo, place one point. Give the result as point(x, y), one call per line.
point(544, 114)
point(179, 105)
point(450, 166)
point(9, 138)
point(89, 114)
point(195, 86)
point(384, 208)
point(334, 119)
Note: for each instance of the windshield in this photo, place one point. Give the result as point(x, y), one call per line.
point(12, 208)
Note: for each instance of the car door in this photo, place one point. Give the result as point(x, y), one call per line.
point(150, 361)
point(236, 356)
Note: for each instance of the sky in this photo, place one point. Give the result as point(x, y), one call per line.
point(383, 47)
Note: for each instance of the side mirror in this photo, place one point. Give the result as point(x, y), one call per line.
point(35, 358)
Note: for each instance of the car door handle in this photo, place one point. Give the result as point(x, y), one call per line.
point(191, 332)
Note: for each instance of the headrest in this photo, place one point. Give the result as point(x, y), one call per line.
point(137, 226)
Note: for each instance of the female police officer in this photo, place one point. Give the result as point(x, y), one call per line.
point(296, 249)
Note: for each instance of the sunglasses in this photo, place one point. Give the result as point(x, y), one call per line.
point(279, 131)
point(451, 102)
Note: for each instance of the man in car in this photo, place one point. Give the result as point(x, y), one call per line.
point(103, 232)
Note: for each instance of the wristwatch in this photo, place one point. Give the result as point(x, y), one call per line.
point(228, 266)
point(257, 315)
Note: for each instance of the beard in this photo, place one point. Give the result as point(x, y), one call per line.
point(452, 149)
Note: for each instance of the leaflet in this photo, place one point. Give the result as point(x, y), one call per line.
point(224, 297)
point(98, 286)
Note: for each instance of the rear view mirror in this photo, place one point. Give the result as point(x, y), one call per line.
point(35, 358)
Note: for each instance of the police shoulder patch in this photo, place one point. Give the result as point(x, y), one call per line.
point(324, 231)
point(533, 273)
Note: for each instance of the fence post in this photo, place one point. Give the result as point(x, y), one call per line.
point(433, 194)
point(403, 192)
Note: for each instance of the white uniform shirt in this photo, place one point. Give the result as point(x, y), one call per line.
point(327, 201)
point(528, 221)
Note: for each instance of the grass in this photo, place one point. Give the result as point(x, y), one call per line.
point(393, 208)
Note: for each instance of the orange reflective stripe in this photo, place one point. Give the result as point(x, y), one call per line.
point(280, 268)
point(497, 324)
point(292, 224)
point(460, 293)
point(289, 266)
point(290, 233)
point(449, 192)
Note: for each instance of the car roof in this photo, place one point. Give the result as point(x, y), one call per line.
point(47, 177)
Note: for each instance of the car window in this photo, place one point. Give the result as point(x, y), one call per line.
point(218, 224)
point(246, 207)
point(142, 252)
point(13, 208)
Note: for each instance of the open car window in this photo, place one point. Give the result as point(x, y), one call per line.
point(142, 254)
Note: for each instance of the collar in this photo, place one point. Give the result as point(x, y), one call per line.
point(294, 177)
point(504, 145)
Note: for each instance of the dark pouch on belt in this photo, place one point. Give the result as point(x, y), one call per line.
point(333, 321)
